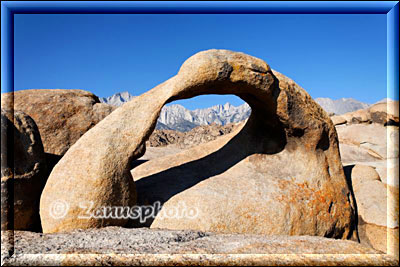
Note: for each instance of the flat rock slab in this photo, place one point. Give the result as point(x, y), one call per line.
point(116, 245)
point(377, 141)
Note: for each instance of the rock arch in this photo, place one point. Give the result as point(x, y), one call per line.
point(288, 138)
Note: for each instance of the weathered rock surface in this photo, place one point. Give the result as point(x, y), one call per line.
point(23, 171)
point(288, 146)
point(115, 246)
point(62, 116)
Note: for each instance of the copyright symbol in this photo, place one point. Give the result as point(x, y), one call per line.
point(59, 209)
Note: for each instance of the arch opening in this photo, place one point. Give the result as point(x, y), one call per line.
point(161, 175)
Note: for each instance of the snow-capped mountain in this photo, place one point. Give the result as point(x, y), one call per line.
point(222, 114)
point(177, 117)
point(340, 106)
point(118, 99)
point(180, 118)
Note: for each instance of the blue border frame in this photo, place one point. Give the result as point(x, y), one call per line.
point(9, 8)
point(392, 36)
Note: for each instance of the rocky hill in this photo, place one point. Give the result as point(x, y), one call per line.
point(198, 135)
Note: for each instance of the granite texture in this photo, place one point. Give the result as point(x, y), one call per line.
point(122, 246)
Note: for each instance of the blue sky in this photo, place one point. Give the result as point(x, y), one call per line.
point(328, 55)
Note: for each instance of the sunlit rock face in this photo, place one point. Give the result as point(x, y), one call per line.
point(62, 115)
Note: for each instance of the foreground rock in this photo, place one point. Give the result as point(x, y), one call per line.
point(121, 246)
point(378, 209)
point(62, 116)
point(23, 171)
point(377, 205)
point(378, 237)
point(285, 130)
point(369, 148)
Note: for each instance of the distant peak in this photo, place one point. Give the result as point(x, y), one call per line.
point(227, 105)
point(175, 106)
point(118, 99)
point(349, 99)
point(124, 93)
point(342, 105)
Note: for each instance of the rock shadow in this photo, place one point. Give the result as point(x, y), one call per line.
point(347, 172)
point(137, 162)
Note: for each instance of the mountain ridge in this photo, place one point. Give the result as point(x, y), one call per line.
point(340, 106)
point(177, 117)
